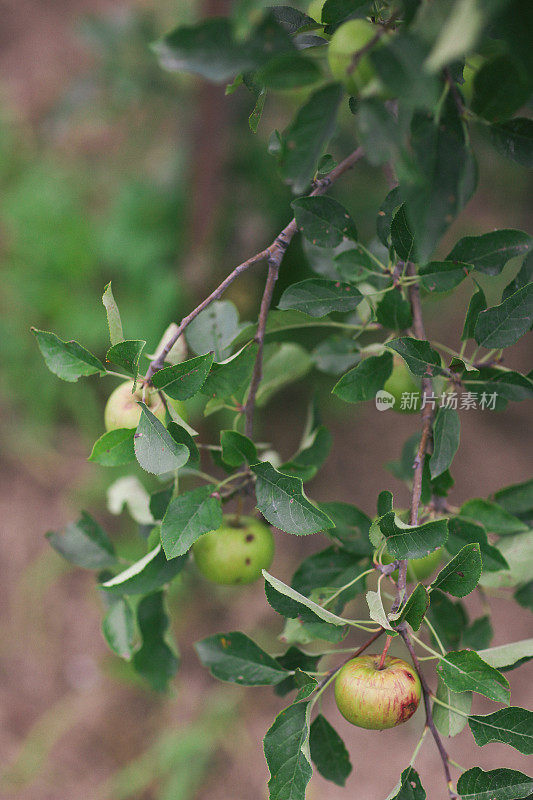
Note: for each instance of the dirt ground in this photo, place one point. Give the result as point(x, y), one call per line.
point(67, 722)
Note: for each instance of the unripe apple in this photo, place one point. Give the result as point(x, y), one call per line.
point(399, 382)
point(375, 698)
point(345, 42)
point(418, 569)
point(315, 9)
point(122, 409)
point(236, 553)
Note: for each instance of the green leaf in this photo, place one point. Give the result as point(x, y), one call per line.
point(290, 603)
point(286, 747)
point(155, 449)
point(506, 656)
point(351, 527)
point(181, 381)
point(118, 627)
point(283, 364)
point(154, 661)
point(226, 378)
point(401, 235)
point(408, 541)
point(399, 64)
point(114, 322)
point(418, 354)
point(114, 448)
point(514, 139)
point(500, 88)
point(521, 279)
point(518, 553)
point(496, 784)
point(331, 567)
point(68, 360)
point(503, 325)
point(524, 595)
point(149, 573)
point(318, 297)
point(477, 304)
point(313, 451)
point(409, 787)
point(85, 544)
point(393, 311)
point(291, 660)
point(446, 439)
point(493, 518)
point(237, 448)
point(448, 722)
point(442, 276)
point(376, 610)
point(465, 671)
point(364, 380)
point(214, 329)
point(490, 252)
point(377, 131)
point(281, 500)
point(462, 531)
point(188, 517)
point(479, 635)
point(305, 138)
point(414, 610)
point(159, 502)
point(461, 575)
point(386, 214)
point(448, 618)
point(441, 179)
point(323, 221)
point(235, 658)
point(328, 751)
point(127, 355)
point(512, 726)
point(182, 436)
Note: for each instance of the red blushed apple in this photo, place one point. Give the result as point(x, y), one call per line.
point(375, 698)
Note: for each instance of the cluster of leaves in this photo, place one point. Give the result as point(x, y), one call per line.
point(415, 117)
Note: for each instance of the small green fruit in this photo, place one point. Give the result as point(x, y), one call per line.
point(236, 553)
point(418, 569)
point(122, 409)
point(345, 42)
point(375, 698)
point(402, 382)
point(315, 9)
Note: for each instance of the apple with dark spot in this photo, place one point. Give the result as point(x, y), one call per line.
point(236, 553)
point(377, 693)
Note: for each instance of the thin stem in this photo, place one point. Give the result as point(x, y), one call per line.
point(426, 647)
point(449, 707)
point(435, 635)
point(419, 745)
point(426, 694)
point(347, 586)
point(384, 652)
point(232, 477)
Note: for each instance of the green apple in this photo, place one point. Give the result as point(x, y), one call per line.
point(123, 411)
point(345, 42)
point(375, 698)
point(399, 382)
point(315, 9)
point(236, 553)
point(418, 569)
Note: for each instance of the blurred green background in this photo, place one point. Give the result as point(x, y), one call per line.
point(111, 169)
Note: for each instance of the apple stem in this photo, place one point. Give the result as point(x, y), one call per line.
point(381, 664)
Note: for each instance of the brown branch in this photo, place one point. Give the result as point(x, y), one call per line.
point(273, 254)
point(426, 694)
